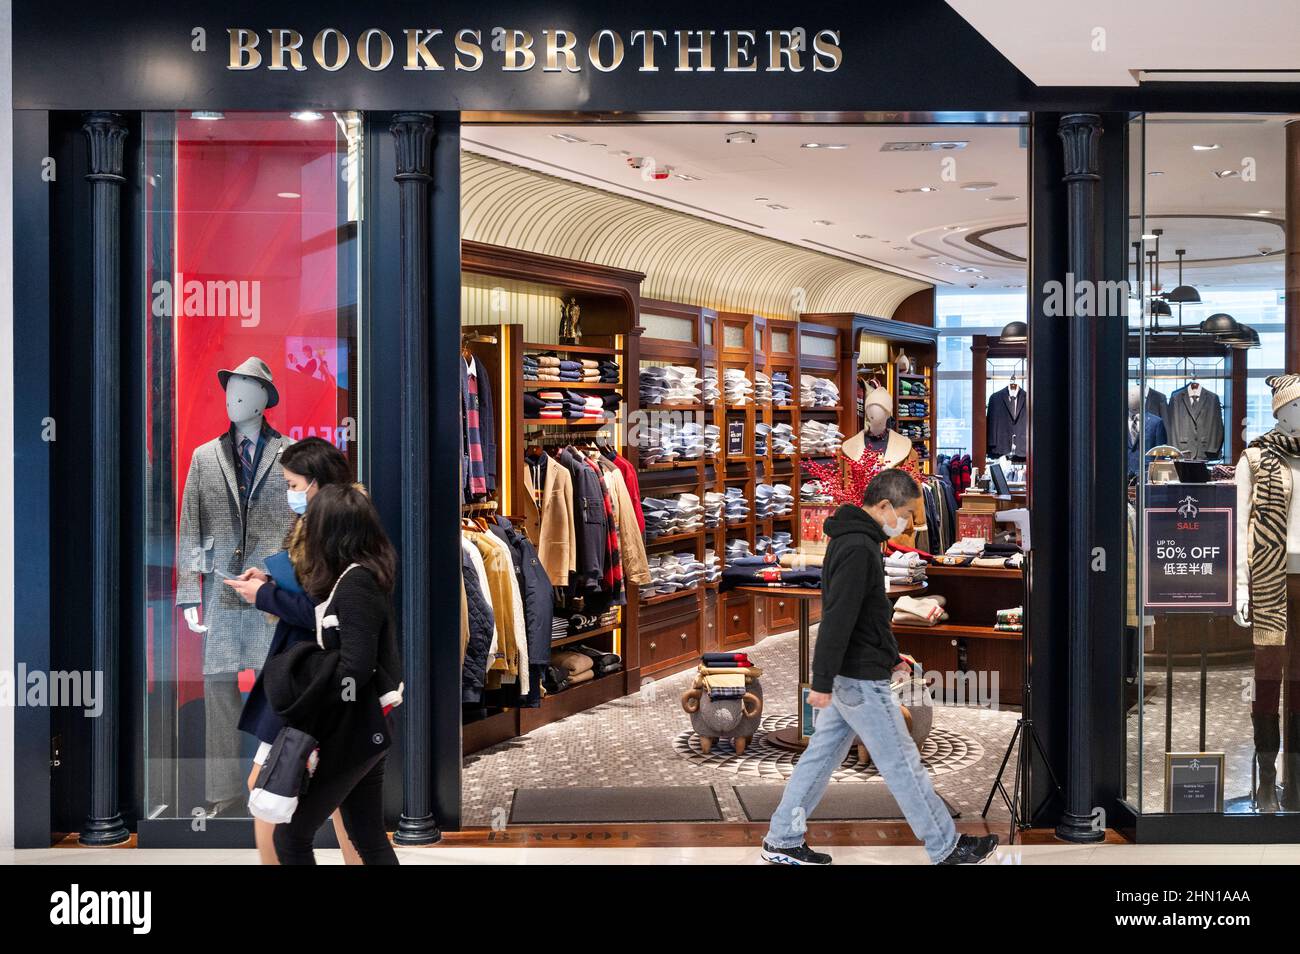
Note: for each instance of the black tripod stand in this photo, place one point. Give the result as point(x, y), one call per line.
point(1017, 801)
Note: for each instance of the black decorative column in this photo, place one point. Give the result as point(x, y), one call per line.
point(1081, 135)
point(413, 135)
point(106, 135)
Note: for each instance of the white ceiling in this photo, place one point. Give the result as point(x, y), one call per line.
point(853, 189)
point(1222, 222)
point(1054, 44)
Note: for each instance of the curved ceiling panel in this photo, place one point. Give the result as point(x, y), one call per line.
point(684, 258)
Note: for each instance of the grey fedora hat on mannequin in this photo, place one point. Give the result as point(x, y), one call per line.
point(257, 369)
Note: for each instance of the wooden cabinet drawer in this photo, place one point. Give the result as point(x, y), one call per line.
point(709, 624)
point(664, 644)
point(782, 614)
point(737, 622)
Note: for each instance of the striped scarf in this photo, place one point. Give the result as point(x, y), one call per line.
point(1270, 509)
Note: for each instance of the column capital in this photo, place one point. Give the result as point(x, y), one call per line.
point(106, 133)
point(413, 133)
point(1081, 135)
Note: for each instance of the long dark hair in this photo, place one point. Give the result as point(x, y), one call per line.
point(317, 459)
point(343, 528)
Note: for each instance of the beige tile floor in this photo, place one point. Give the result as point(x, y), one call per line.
point(1108, 854)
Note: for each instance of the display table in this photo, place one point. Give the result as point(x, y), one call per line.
point(793, 737)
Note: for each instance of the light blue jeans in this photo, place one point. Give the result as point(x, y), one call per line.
point(869, 710)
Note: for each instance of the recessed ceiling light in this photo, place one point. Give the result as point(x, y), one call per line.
point(602, 145)
point(306, 116)
point(900, 248)
point(760, 198)
point(978, 186)
point(566, 137)
point(918, 189)
point(1148, 237)
point(1264, 212)
point(741, 136)
point(778, 207)
point(1225, 173)
point(289, 195)
point(863, 235)
point(1155, 172)
point(1208, 147)
point(955, 228)
point(822, 222)
point(207, 115)
point(825, 145)
point(1002, 198)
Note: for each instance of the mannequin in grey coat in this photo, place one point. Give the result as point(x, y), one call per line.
point(228, 523)
point(1194, 423)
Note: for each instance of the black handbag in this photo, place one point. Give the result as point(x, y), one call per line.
point(285, 777)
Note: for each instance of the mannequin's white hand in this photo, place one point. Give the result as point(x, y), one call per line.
point(192, 620)
point(1242, 617)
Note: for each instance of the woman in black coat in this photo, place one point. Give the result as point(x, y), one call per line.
point(340, 687)
point(309, 465)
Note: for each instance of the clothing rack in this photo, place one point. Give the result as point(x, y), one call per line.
point(549, 437)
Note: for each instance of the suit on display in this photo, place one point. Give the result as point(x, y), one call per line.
point(1195, 422)
point(234, 515)
point(1158, 405)
point(1007, 422)
point(1138, 441)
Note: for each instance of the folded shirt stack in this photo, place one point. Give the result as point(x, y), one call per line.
point(782, 389)
point(665, 516)
point(671, 573)
point(812, 492)
point(712, 440)
point(713, 502)
point(919, 611)
point(820, 439)
point(712, 567)
point(905, 567)
point(663, 440)
point(606, 370)
point(913, 408)
point(669, 384)
point(782, 440)
point(773, 546)
point(709, 392)
point(762, 388)
point(1010, 620)
point(762, 434)
point(815, 391)
point(915, 431)
point(763, 502)
point(735, 506)
point(737, 389)
point(782, 500)
point(738, 549)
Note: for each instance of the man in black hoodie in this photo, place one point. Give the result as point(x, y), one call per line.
point(855, 656)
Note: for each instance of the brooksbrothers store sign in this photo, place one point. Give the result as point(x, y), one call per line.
point(554, 51)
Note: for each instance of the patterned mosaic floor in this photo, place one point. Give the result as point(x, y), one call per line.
point(644, 740)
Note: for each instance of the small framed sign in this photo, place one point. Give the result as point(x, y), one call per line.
point(735, 438)
point(1193, 782)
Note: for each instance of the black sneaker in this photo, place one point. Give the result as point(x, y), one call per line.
point(972, 850)
point(801, 855)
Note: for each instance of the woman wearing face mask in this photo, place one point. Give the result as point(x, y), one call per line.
point(308, 465)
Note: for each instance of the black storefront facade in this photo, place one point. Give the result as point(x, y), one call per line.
point(84, 80)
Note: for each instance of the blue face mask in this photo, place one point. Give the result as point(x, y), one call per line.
point(298, 500)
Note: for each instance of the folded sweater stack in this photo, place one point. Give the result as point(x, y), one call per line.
point(1010, 620)
point(919, 611)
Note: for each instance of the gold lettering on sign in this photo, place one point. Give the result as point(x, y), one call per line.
point(468, 43)
point(243, 49)
point(385, 49)
point(418, 56)
point(519, 51)
point(780, 45)
point(684, 51)
point(341, 50)
point(560, 43)
point(648, 48)
point(738, 53)
point(827, 44)
point(593, 51)
point(286, 42)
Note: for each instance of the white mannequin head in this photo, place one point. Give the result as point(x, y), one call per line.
point(1288, 418)
point(1134, 398)
point(246, 400)
point(877, 418)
